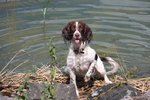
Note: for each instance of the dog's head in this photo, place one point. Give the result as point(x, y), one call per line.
point(77, 32)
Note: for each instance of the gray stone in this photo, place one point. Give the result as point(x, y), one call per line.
point(113, 92)
point(63, 91)
point(35, 90)
point(6, 98)
point(66, 92)
point(145, 96)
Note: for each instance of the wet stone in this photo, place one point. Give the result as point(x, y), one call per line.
point(113, 92)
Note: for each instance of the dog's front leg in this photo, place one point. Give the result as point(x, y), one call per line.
point(90, 71)
point(73, 80)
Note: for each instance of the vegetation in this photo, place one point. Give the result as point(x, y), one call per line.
point(21, 90)
point(18, 83)
point(48, 92)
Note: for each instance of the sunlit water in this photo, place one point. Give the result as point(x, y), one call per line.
point(121, 29)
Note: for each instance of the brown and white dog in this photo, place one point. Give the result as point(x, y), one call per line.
point(82, 60)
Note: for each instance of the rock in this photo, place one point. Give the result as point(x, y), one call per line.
point(145, 96)
point(113, 92)
point(63, 91)
point(35, 90)
point(6, 98)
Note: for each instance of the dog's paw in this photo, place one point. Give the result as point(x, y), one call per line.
point(108, 82)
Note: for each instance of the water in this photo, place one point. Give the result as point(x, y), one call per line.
point(121, 29)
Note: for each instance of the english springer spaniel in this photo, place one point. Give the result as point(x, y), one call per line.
point(82, 60)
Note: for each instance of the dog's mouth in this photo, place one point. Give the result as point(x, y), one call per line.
point(77, 40)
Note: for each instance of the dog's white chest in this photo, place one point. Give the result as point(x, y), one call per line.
point(83, 61)
point(80, 63)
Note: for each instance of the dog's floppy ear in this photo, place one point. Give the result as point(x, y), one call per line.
point(66, 32)
point(87, 33)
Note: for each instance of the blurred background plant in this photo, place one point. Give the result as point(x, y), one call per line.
point(44, 11)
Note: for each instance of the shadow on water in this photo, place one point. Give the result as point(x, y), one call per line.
point(120, 27)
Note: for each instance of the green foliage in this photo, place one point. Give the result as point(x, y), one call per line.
point(44, 11)
point(45, 8)
point(23, 95)
point(49, 92)
point(53, 74)
point(52, 52)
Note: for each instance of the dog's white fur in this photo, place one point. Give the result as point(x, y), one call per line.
point(85, 64)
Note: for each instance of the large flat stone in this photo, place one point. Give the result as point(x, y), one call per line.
point(63, 91)
point(113, 92)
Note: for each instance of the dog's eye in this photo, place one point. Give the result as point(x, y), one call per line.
point(73, 28)
point(80, 28)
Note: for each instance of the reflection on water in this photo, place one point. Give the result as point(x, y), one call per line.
point(121, 29)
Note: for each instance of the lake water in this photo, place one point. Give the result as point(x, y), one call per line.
point(121, 29)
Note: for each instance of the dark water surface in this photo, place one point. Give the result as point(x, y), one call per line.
point(121, 29)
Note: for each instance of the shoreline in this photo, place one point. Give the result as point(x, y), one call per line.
point(9, 83)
